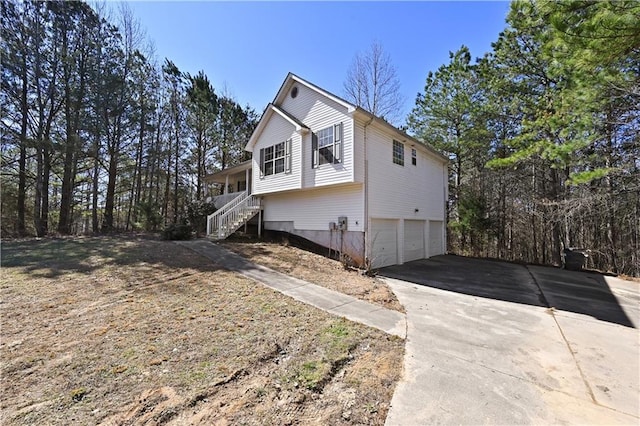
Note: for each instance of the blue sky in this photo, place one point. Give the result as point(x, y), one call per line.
point(249, 47)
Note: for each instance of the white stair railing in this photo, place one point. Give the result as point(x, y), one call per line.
point(232, 215)
point(213, 220)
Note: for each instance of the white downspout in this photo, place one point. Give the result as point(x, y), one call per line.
point(367, 222)
point(446, 201)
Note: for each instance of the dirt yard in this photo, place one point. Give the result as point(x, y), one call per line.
point(316, 269)
point(137, 331)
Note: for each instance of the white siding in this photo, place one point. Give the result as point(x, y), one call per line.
point(313, 209)
point(358, 151)
point(277, 130)
point(398, 191)
point(318, 112)
point(407, 195)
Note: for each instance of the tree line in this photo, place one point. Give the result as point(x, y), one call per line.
point(543, 134)
point(96, 134)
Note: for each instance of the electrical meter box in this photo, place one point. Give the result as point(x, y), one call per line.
point(342, 223)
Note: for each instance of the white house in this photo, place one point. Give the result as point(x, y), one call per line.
point(331, 172)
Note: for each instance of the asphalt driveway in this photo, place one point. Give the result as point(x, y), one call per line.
point(497, 343)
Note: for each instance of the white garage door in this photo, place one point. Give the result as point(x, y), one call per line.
point(384, 242)
point(436, 243)
point(413, 240)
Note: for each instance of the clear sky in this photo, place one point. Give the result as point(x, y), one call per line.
point(249, 47)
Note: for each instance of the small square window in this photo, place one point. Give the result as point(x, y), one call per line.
point(414, 156)
point(398, 153)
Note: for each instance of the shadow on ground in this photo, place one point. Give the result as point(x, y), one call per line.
point(580, 292)
point(54, 257)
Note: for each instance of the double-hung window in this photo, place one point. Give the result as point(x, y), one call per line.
point(275, 159)
point(414, 156)
point(327, 146)
point(398, 153)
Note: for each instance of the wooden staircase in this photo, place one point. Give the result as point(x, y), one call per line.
point(226, 220)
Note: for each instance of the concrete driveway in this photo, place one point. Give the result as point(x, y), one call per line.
point(497, 343)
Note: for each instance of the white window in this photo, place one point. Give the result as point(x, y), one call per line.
point(398, 153)
point(414, 156)
point(275, 159)
point(327, 146)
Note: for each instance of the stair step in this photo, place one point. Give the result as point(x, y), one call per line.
point(229, 228)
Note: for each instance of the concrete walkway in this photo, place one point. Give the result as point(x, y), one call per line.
point(391, 322)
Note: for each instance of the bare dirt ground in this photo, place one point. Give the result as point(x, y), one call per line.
point(316, 269)
point(131, 331)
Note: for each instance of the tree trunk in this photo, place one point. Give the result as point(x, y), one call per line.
point(108, 223)
point(22, 162)
point(37, 201)
point(176, 176)
point(95, 226)
point(64, 224)
point(44, 219)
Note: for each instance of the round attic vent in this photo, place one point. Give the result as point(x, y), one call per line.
point(294, 91)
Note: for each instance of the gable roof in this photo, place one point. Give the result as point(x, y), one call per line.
point(268, 112)
point(291, 78)
point(351, 109)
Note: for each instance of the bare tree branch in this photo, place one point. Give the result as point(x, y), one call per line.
point(372, 83)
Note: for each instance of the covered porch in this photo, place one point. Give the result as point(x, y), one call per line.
point(230, 183)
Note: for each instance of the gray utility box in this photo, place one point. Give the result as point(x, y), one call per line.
point(575, 259)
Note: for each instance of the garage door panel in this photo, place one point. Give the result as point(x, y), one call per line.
point(436, 243)
point(384, 242)
point(414, 240)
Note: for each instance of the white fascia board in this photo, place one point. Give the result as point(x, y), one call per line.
point(266, 116)
point(259, 128)
point(300, 128)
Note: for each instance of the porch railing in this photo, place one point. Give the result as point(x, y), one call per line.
point(226, 220)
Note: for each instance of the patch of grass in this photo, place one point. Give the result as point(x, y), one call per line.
point(338, 329)
point(339, 339)
point(312, 374)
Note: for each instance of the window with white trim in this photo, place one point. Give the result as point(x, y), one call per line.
point(414, 156)
point(275, 159)
point(398, 153)
point(327, 146)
